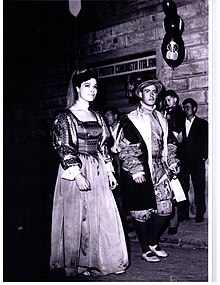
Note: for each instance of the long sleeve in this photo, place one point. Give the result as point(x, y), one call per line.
point(65, 141)
point(206, 138)
point(130, 151)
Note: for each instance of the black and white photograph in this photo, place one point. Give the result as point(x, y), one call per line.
point(108, 159)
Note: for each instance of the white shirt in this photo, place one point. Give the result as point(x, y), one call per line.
point(114, 133)
point(188, 125)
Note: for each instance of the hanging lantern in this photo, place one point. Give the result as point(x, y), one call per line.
point(173, 50)
point(174, 25)
point(169, 8)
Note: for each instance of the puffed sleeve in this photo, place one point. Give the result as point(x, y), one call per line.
point(65, 142)
point(130, 150)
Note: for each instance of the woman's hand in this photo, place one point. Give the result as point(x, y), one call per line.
point(82, 182)
point(112, 181)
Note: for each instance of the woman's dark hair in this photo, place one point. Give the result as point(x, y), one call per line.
point(82, 76)
point(75, 81)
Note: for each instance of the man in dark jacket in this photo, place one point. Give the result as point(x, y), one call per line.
point(193, 154)
point(146, 167)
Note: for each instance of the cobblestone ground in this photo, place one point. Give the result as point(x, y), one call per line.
point(182, 265)
point(27, 257)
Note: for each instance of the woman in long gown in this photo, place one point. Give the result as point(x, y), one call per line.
point(87, 235)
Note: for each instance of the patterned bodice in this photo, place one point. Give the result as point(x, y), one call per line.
point(71, 137)
point(89, 135)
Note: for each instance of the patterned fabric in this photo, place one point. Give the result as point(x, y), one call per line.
point(163, 191)
point(142, 215)
point(130, 156)
point(86, 227)
point(91, 133)
point(153, 129)
point(156, 136)
point(172, 161)
point(72, 136)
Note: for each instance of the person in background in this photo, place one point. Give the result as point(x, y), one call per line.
point(173, 112)
point(193, 154)
point(112, 117)
point(87, 235)
point(160, 103)
point(175, 117)
point(144, 154)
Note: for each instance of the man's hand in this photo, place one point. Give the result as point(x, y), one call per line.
point(140, 179)
point(175, 168)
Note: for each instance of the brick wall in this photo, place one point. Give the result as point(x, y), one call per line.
point(134, 29)
point(144, 32)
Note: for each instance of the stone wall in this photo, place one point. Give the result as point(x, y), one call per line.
point(145, 32)
point(135, 29)
point(132, 31)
